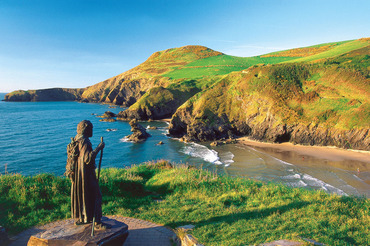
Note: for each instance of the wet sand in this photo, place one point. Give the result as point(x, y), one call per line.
point(351, 160)
point(332, 169)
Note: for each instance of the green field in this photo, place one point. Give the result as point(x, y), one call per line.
point(224, 64)
point(336, 51)
point(220, 65)
point(246, 212)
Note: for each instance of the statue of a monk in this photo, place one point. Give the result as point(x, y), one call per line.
point(86, 197)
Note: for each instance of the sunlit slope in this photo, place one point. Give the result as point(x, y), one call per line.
point(224, 64)
point(336, 50)
point(220, 65)
point(126, 88)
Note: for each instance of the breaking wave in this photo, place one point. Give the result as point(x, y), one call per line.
point(201, 151)
point(305, 180)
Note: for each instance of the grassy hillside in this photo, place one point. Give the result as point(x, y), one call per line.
point(146, 76)
point(336, 50)
point(306, 51)
point(220, 65)
point(224, 64)
point(197, 62)
point(246, 212)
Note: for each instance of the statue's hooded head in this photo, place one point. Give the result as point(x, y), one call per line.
point(85, 128)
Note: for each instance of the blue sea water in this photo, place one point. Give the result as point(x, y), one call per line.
point(34, 136)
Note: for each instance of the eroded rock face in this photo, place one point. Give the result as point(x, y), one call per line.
point(158, 103)
point(183, 125)
point(126, 93)
point(139, 133)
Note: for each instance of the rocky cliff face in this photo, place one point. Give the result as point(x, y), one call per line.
point(158, 103)
point(182, 125)
point(54, 94)
point(257, 103)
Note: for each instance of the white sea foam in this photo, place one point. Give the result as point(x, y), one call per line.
point(284, 162)
point(308, 180)
point(227, 158)
point(124, 140)
point(201, 151)
point(293, 176)
point(304, 180)
point(298, 184)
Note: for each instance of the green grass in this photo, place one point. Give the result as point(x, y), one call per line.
point(225, 64)
point(336, 51)
point(225, 210)
point(332, 44)
point(220, 65)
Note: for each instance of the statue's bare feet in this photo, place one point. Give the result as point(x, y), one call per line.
point(79, 222)
point(102, 226)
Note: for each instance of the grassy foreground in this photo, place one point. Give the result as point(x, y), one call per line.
point(225, 211)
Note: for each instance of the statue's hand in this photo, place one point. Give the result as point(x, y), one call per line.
point(101, 146)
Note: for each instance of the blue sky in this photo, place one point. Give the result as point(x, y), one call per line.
point(77, 43)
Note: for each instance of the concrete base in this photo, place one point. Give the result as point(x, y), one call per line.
point(68, 233)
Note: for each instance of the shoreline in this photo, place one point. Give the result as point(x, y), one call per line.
point(328, 153)
point(167, 120)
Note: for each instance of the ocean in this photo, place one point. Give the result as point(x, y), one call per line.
point(34, 137)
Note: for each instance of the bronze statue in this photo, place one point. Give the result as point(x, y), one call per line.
point(86, 197)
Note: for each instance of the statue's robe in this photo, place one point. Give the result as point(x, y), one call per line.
point(85, 192)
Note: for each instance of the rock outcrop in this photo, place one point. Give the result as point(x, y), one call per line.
point(158, 103)
point(108, 117)
point(139, 133)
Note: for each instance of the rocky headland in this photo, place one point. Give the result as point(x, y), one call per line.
point(53, 94)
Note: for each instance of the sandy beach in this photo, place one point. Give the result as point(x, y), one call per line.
point(321, 152)
point(355, 161)
point(166, 120)
point(352, 160)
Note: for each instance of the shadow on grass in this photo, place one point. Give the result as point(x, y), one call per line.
point(250, 215)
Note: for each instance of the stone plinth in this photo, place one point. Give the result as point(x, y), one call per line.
point(67, 233)
point(3, 236)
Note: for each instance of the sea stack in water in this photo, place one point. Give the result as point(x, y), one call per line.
point(139, 133)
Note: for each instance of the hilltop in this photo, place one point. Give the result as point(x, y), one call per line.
point(317, 95)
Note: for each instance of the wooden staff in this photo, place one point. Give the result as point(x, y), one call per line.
point(93, 223)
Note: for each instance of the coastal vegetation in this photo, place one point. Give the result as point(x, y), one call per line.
point(225, 210)
point(316, 95)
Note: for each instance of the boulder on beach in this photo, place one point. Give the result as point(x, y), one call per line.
point(139, 133)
